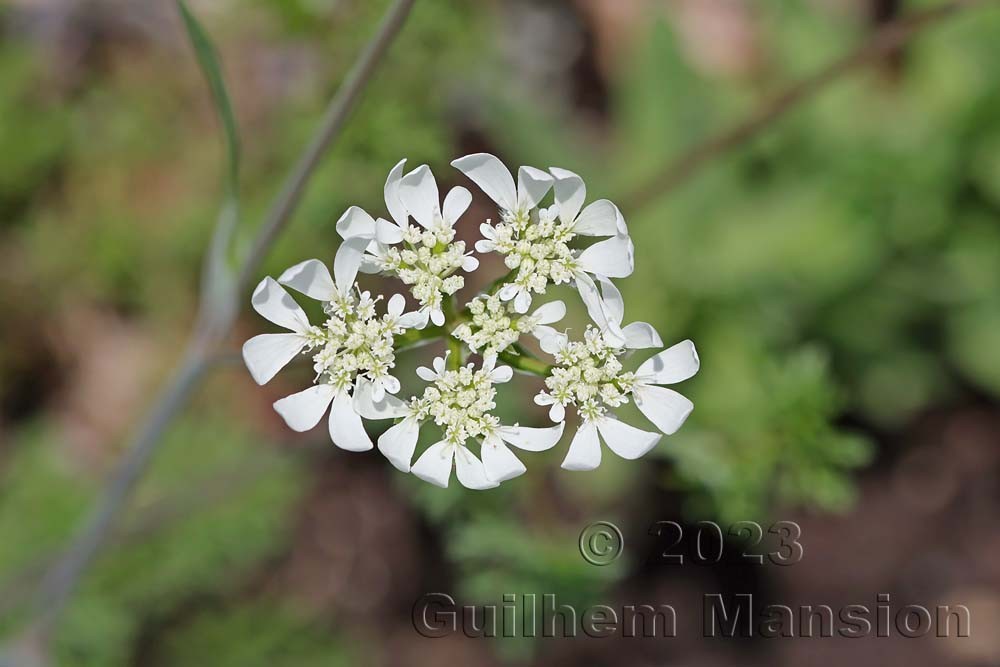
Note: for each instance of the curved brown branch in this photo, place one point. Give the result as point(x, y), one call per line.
point(881, 42)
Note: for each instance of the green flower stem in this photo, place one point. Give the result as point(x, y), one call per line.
point(455, 358)
point(451, 320)
point(412, 338)
point(526, 363)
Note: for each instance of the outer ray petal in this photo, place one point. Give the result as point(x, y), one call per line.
point(399, 442)
point(266, 354)
point(532, 439)
point(346, 429)
point(664, 407)
point(500, 463)
point(311, 278)
point(640, 335)
point(419, 193)
point(598, 311)
point(356, 222)
point(570, 193)
point(600, 218)
point(470, 470)
point(491, 176)
point(456, 203)
point(675, 364)
point(626, 441)
point(387, 233)
point(434, 465)
point(391, 191)
point(276, 305)
point(612, 257)
point(348, 260)
point(553, 311)
point(585, 449)
point(302, 411)
point(532, 186)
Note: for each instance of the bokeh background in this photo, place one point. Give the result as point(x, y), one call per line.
point(839, 273)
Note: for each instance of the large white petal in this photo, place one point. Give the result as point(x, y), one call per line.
point(570, 193)
point(456, 203)
point(276, 305)
point(347, 262)
point(550, 340)
point(419, 193)
point(553, 311)
point(370, 264)
point(398, 443)
point(389, 407)
point(500, 463)
point(356, 222)
point(470, 470)
point(346, 429)
point(391, 191)
point(585, 449)
point(522, 301)
point(613, 257)
point(626, 441)
point(532, 185)
point(311, 278)
point(664, 407)
point(387, 233)
point(675, 364)
point(501, 375)
point(434, 465)
point(266, 354)
point(492, 177)
point(596, 309)
point(612, 301)
point(302, 411)
point(640, 335)
point(600, 218)
point(532, 439)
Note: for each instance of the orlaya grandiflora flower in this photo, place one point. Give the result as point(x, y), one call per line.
point(589, 375)
point(352, 351)
point(460, 402)
point(537, 244)
point(424, 256)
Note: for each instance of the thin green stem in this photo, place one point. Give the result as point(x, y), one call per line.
point(412, 338)
point(455, 359)
point(526, 364)
point(61, 580)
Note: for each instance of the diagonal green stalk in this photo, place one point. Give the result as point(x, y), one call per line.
point(526, 363)
point(210, 329)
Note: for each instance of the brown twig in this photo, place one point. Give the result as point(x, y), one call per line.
point(881, 42)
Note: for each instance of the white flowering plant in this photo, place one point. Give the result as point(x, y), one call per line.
point(354, 350)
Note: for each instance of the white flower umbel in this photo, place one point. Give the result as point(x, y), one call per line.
point(495, 326)
point(352, 352)
point(424, 256)
point(536, 244)
point(460, 402)
point(589, 375)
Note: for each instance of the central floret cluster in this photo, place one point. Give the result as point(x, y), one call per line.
point(589, 375)
point(356, 341)
point(459, 402)
point(354, 351)
point(427, 263)
point(535, 246)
